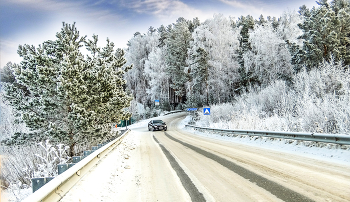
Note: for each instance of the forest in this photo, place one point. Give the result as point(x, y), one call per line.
point(289, 73)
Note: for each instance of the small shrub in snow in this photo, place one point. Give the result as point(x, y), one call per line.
point(21, 163)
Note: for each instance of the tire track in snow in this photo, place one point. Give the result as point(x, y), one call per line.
point(274, 188)
point(185, 180)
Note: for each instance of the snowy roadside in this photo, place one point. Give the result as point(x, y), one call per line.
point(326, 152)
point(111, 177)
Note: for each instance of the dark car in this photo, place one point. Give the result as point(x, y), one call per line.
point(157, 125)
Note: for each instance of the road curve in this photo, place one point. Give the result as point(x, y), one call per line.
point(234, 172)
point(179, 166)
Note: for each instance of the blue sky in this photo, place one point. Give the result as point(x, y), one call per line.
point(35, 21)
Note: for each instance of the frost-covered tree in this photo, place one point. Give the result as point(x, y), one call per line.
point(246, 25)
point(9, 123)
point(326, 33)
point(177, 44)
point(6, 73)
point(71, 98)
point(212, 54)
point(155, 69)
point(261, 20)
point(288, 29)
point(269, 57)
point(139, 48)
point(198, 85)
point(163, 34)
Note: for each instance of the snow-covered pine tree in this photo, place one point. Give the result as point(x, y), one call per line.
point(326, 34)
point(162, 35)
point(71, 98)
point(246, 25)
point(198, 92)
point(9, 123)
point(177, 44)
point(261, 20)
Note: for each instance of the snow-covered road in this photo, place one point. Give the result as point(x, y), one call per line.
point(136, 170)
point(178, 165)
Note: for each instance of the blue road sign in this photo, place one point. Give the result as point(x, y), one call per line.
point(156, 100)
point(191, 109)
point(206, 111)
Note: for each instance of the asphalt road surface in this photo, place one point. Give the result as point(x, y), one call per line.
point(180, 166)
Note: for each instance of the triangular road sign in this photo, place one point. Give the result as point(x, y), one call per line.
point(206, 111)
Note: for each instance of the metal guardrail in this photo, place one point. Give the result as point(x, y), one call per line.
point(316, 137)
point(61, 184)
point(172, 112)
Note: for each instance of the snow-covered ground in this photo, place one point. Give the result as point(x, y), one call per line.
point(328, 152)
point(124, 158)
point(111, 177)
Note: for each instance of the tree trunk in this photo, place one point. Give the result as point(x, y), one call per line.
point(71, 146)
point(71, 150)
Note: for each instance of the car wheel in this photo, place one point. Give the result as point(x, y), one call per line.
point(149, 129)
point(165, 129)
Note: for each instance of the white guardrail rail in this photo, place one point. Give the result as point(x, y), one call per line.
point(61, 184)
point(316, 137)
point(172, 112)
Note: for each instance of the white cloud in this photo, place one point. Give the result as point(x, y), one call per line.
point(246, 8)
point(167, 10)
point(235, 4)
point(8, 52)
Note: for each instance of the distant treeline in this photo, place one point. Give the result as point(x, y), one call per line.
point(211, 62)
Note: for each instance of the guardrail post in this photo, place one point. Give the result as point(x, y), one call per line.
point(87, 153)
point(61, 168)
point(76, 159)
point(94, 148)
point(37, 183)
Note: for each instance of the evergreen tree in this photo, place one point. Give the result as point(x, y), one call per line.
point(273, 21)
point(177, 44)
point(199, 72)
point(162, 35)
point(326, 34)
point(71, 98)
point(261, 20)
point(192, 25)
point(246, 77)
point(151, 30)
